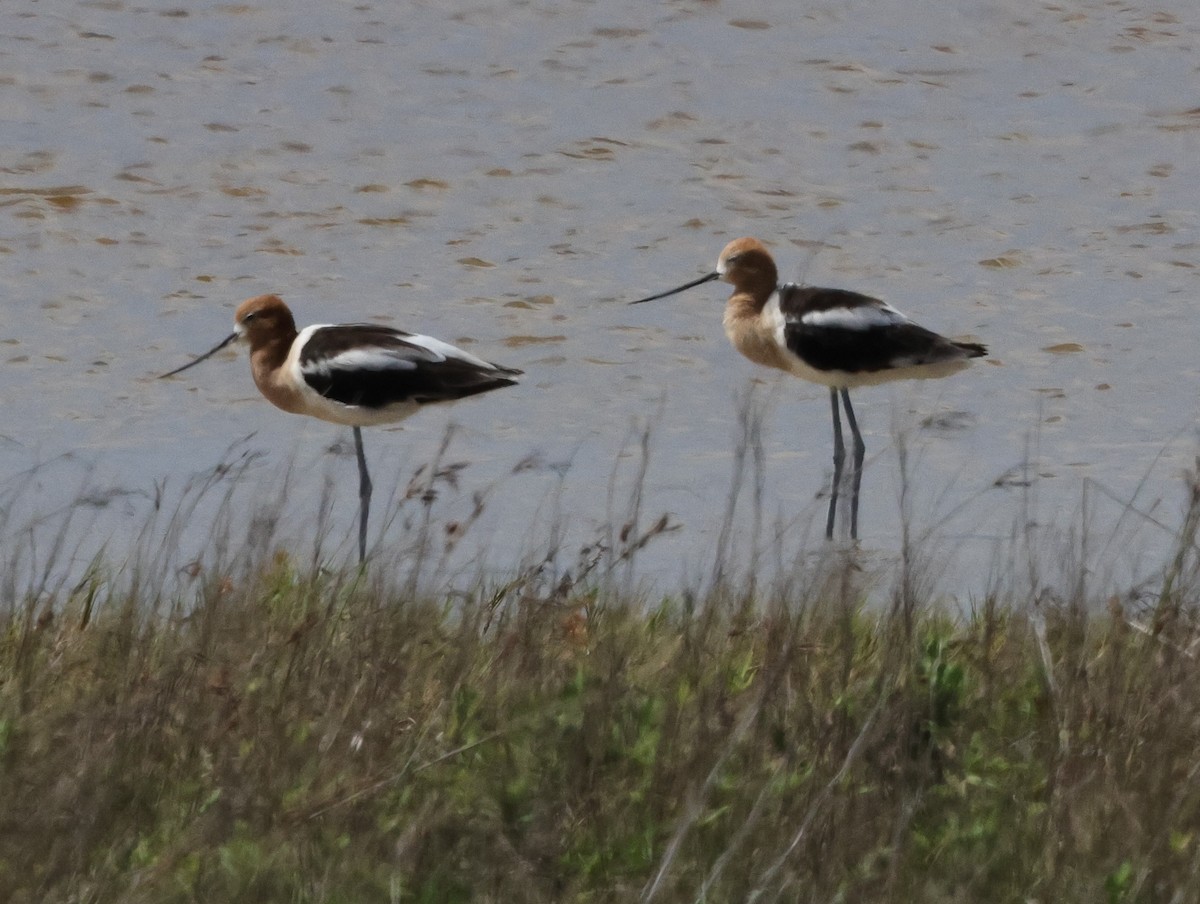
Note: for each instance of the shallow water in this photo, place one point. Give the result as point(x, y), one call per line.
point(506, 176)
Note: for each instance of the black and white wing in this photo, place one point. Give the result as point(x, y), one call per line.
point(840, 330)
point(371, 366)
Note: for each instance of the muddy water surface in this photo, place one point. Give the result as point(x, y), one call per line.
point(506, 176)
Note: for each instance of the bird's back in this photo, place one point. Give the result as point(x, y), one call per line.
point(365, 365)
point(846, 339)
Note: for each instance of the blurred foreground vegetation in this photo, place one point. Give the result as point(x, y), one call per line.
point(270, 731)
point(320, 737)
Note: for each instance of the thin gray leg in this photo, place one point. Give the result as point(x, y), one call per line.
point(364, 495)
point(860, 450)
point(839, 457)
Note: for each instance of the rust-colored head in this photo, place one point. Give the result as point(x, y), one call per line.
point(745, 263)
point(264, 319)
point(261, 321)
point(748, 266)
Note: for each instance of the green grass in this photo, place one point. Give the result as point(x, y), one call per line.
point(298, 737)
point(271, 731)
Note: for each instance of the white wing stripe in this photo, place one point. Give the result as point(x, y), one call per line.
point(382, 358)
point(865, 317)
point(445, 350)
point(365, 358)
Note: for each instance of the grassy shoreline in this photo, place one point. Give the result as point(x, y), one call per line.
point(296, 736)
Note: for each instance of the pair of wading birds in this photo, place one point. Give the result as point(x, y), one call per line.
point(361, 374)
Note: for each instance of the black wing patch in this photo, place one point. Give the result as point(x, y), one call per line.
point(371, 366)
point(870, 345)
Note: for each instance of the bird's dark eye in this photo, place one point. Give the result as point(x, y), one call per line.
point(250, 316)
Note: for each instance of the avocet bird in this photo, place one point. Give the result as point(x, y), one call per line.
point(834, 337)
point(356, 374)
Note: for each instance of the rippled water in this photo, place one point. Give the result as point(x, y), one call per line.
point(506, 176)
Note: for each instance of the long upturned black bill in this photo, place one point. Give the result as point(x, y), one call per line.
point(695, 282)
point(208, 354)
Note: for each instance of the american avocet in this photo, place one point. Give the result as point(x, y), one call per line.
point(834, 337)
point(356, 374)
